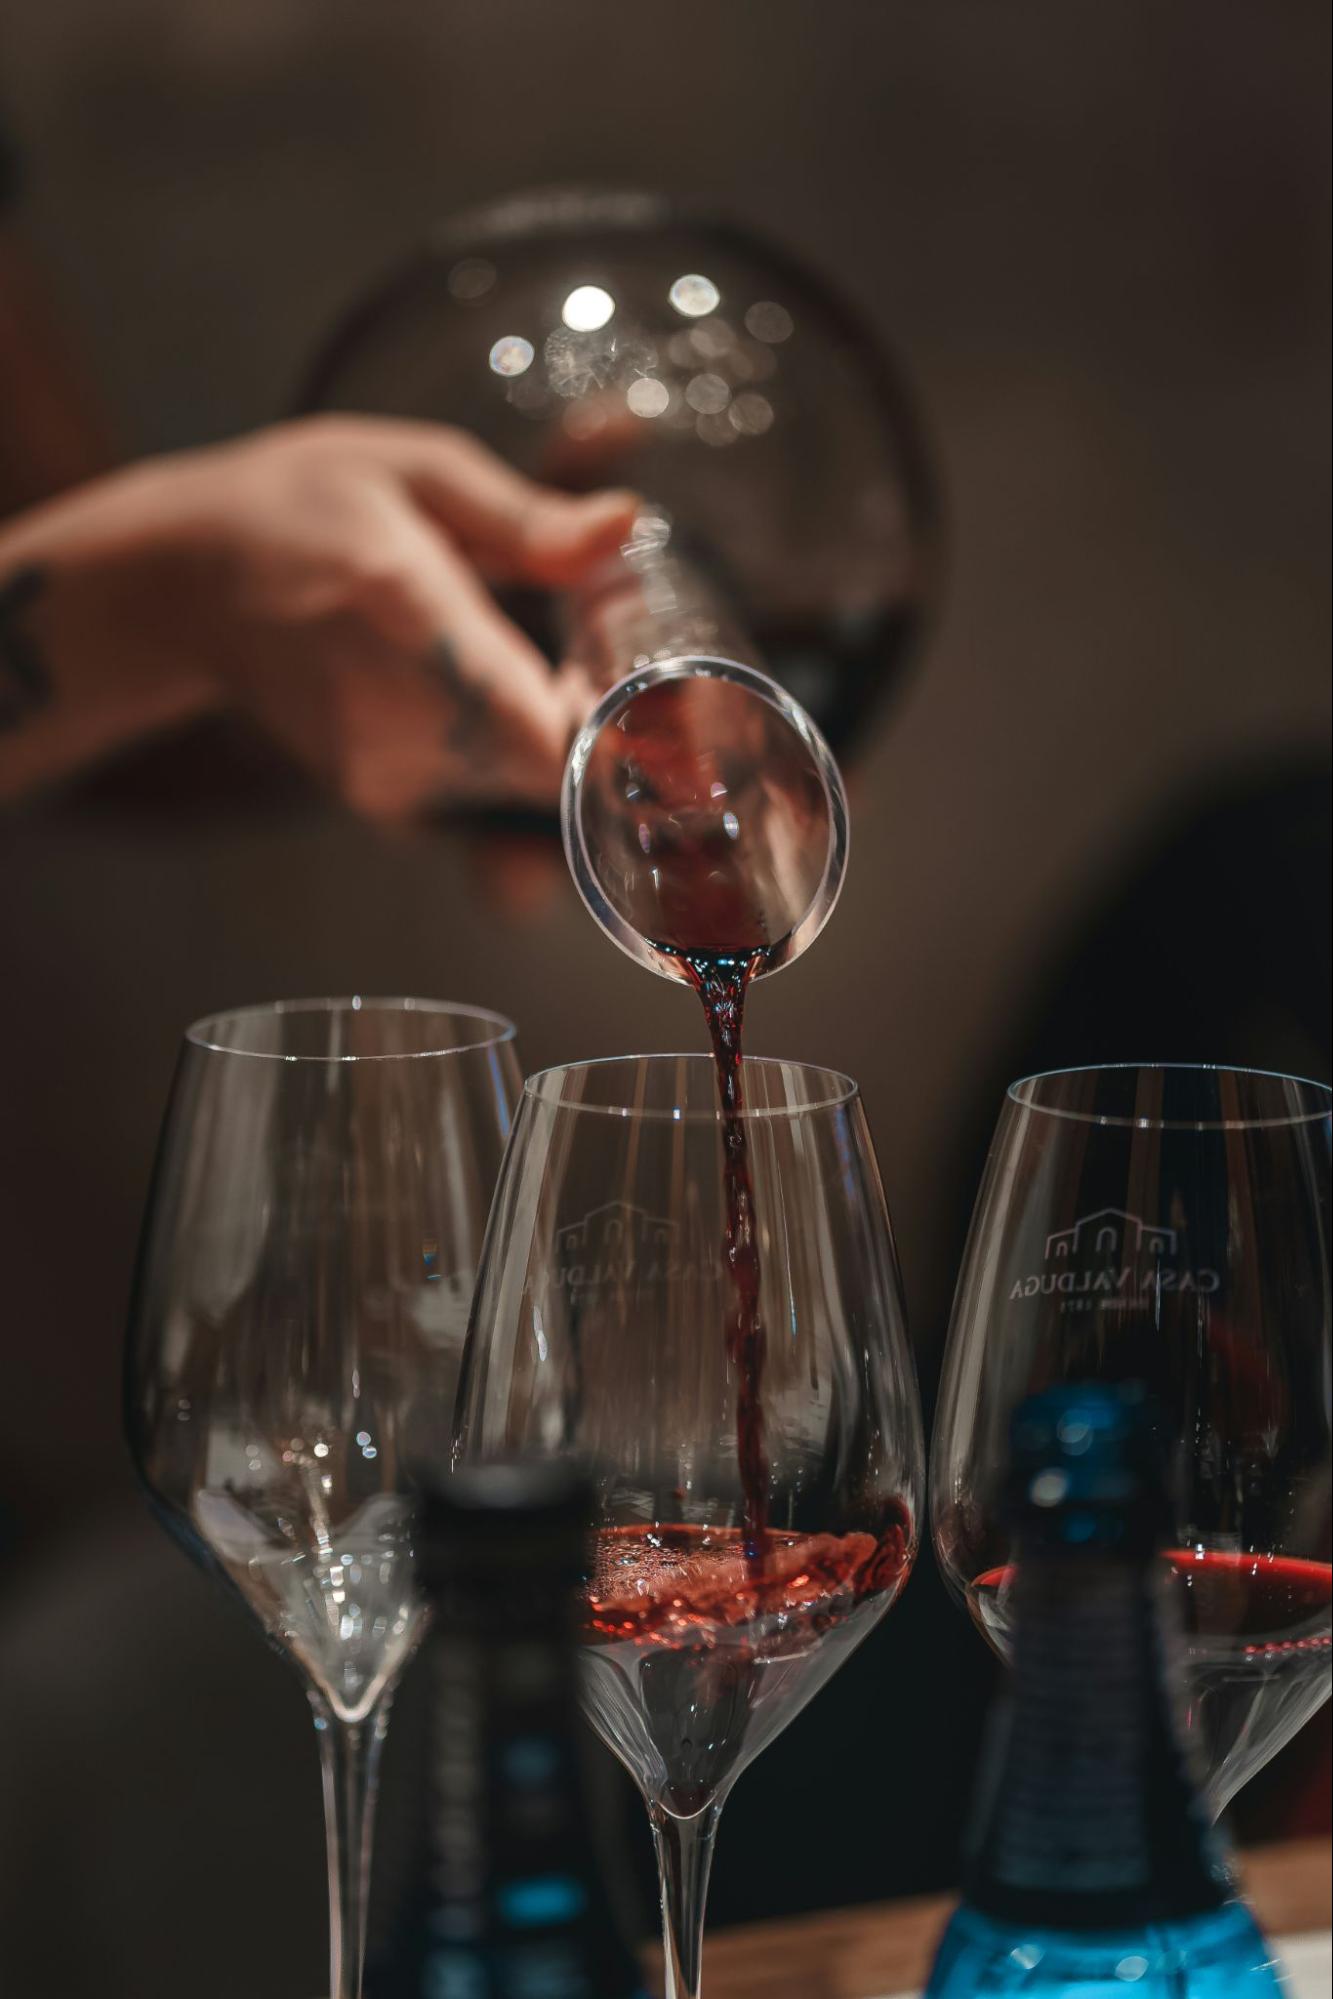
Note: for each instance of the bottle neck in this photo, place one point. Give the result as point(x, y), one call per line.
point(502, 1886)
point(1090, 1818)
point(651, 602)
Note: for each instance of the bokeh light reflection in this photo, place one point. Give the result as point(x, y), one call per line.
point(707, 394)
point(648, 397)
point(512, 355)
point(471, 278)
point(769, 322)
point(587, 308)
point(694, 295)
point(751, 414)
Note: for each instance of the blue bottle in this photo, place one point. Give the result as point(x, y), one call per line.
point(1091, 1871)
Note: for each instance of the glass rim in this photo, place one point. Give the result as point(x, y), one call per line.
point(1021, 1093)
point(843, 1090)
point(201, 1033)
point(685, 666)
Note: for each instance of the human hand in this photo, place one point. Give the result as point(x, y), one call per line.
point(355, 557)
point(329, 577)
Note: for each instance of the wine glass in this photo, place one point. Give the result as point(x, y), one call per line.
point(305, 1276)
point(758, 1499)
point(1169, 1224)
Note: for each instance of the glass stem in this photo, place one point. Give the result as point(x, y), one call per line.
point(349, 1754)
point(684, 1856)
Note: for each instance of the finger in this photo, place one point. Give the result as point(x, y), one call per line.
point(434, 606)
point(510, 525)
point(398, 741)
point(385, 725)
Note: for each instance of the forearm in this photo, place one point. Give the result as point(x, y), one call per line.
point(94, 592)
point(314, 576)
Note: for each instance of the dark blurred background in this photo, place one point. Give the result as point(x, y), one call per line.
point(1092, 824)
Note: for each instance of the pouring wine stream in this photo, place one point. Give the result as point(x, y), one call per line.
point(705, 824)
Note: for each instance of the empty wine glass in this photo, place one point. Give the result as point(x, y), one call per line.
point(601, 1330)
point(1171, 1225)
point(307, 1267)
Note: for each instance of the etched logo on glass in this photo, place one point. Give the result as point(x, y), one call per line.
point(1113, 1230)
point(615, 1244)
point(1112, 1257)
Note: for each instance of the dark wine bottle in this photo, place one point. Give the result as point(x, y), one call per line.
point(1091, 1866)
point(504, 1895)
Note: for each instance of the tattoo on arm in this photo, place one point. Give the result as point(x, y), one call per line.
point(25, 684)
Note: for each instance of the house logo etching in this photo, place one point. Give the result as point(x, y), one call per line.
point(1112, 1257)
point(615, 1244)
point(1113, 1230)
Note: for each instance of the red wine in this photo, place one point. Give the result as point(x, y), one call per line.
point(721, 984)
point(695, 1657)
point(704, 897)
point(1257, 1630)
point(712, 825)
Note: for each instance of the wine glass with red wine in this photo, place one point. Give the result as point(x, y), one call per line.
point(1169, 1225)
point(306, 1272)
point(700, 1300)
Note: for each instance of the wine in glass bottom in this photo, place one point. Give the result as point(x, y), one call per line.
point(696, 1656)
point(1257, 1649)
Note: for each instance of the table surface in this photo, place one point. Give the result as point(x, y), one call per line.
point(865, 1953)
